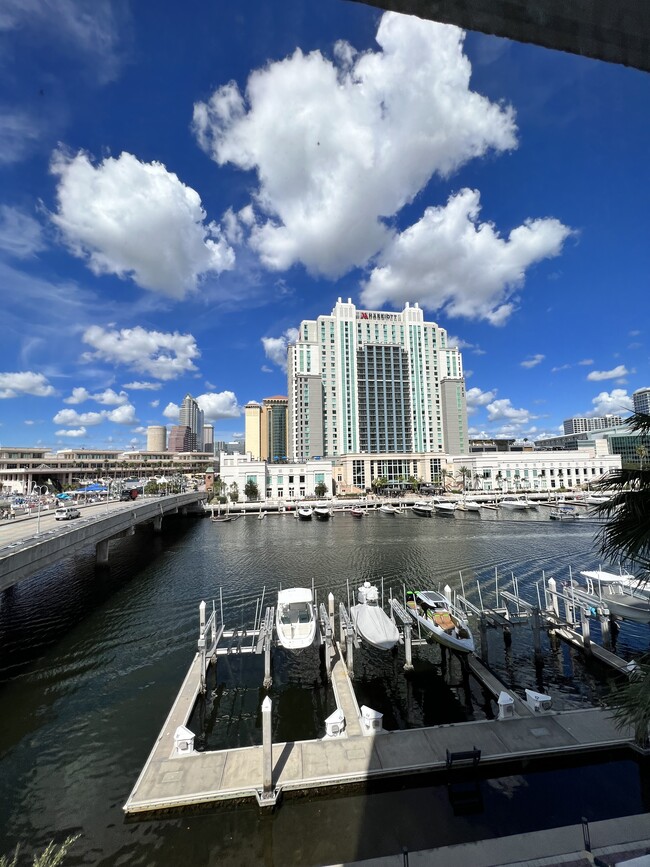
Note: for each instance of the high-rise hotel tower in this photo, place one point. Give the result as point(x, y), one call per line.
point(362, 381)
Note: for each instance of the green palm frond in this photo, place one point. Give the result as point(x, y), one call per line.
point(626, 534)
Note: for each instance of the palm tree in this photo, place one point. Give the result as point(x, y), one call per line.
point(464, 473)
point(626, 536)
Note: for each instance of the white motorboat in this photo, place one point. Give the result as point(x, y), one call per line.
point(357, 512)
point(322, 513)
point(471, 506)
point(625, 595)
point(295, 618)
point(423, 509)
point(446, 623)
point(565, 513)
point(510, 501)
point(444, 507)
point(596, 499)
point(371, 621)
point(388, 509)
point(305, 513)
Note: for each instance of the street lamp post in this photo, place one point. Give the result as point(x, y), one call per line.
point(41, 493)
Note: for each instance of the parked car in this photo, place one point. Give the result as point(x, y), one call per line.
point(66, 513)
point(129, 495)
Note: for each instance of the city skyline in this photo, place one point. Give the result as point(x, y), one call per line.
point(179, 192)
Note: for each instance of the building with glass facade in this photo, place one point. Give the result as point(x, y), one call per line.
point(192, 416)
point(364, 381)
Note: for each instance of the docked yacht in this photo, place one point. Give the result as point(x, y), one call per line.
point(305, 513)
point(388, 509)
point(423, 509)
point(322, 513)
point(444, 507)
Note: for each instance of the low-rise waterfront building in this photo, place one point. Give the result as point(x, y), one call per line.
point(278, 482)
point(24, 469)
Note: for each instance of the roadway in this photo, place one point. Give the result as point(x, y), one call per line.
point(32, 542)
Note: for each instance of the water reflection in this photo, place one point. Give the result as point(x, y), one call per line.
point(90, 663)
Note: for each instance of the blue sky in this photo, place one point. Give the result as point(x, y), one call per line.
point(181, 185)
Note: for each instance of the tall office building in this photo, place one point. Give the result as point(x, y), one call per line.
point(208, 438)
point(180, 439)
point(641, 400)
point(157, 438)
point(580, 424)
point(374, 382)
point(253, 429)
point(192, 416)
point(266, 428)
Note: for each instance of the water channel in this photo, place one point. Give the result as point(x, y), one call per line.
point(90, 662)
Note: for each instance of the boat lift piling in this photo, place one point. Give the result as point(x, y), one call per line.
point(348, 638)
point(397, 611)
point(326, 635)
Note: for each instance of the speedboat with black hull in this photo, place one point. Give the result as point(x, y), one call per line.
point(371, 621)
point(295, 618)
point(305, 513)
point(422, 509)
point(443, 620)
point(322, 513)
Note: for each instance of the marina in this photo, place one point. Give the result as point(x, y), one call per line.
point(432, 707)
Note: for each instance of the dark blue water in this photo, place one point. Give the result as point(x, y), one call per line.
point(91, 660)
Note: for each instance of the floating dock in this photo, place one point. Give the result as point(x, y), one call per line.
point(176, 776)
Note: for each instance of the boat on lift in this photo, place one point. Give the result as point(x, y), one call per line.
point(444, 621)
point(322, 513)
point(388, 509)
point(305, 513)
point(295, 618)
point(625, 595)
point(371, 621)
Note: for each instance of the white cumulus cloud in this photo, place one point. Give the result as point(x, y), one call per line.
point(24, 382)
point(219, 405)
point(450, 261)
point(615, 373)
point(75, 432)
point(503, 410)
point(616, 402)
point(164, 355)
point(275, 348)
point(71, 416)
point(476, 398)
point(137, 220)
point(107, 397)
point(340, 146)
point(172, 411)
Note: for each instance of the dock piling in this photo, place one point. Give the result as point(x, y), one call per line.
point(267, 796)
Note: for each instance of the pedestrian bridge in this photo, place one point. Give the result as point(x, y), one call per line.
point(27, 552)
